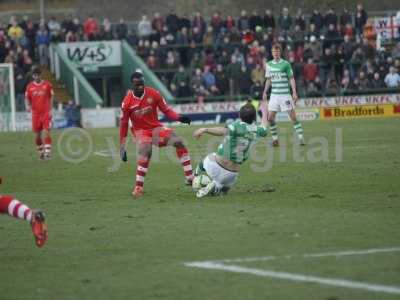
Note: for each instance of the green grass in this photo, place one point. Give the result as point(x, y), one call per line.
point(105, 245)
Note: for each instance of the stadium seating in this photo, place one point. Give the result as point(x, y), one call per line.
point(222, 57)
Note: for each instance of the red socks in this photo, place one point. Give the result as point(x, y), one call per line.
point(43, 148)
point(11, 206)
point(184, 158)
point(47, 145)
point(39, 144)
point(141, 170)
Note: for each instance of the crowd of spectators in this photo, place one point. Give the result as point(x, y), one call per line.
point(201, 57)
point(330, 53)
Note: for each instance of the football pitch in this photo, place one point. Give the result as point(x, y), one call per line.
point(317, 222)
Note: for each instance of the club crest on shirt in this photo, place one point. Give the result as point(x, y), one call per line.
point(150, 100)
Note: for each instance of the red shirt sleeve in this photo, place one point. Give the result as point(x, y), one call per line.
point(124, 120)
point(50, 88)
point(166, 109)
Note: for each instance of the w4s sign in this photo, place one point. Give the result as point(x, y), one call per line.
point(101, 54)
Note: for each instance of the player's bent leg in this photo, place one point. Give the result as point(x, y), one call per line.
point(143, 162)
point(273, 128)
point(13, 207)
point(297, 126)
point(183, 155)
point(222, 179)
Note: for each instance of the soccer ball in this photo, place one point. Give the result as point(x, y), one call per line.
point(200, 182)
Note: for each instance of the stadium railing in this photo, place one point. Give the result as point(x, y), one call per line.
point(77, 85)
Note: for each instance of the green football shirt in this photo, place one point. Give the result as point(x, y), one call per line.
point(236, 144)
point(280, 73)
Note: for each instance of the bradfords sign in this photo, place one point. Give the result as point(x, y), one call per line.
point(363, 111)
point(99, 54)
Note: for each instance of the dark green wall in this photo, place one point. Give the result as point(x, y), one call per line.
point(134, 9)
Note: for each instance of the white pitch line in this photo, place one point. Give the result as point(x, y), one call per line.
point(298, 277)
point(250, 259)
point(355, 252)
point(220, 265)
point(323, 254)
point(104, 153)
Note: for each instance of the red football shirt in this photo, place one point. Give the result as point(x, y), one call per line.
point(143, 111)
point(39, 96)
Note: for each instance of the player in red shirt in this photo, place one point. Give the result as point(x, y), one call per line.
point(141, 106)
point(13, 207)
point(39, 99)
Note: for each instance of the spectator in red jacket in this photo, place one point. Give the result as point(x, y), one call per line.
point(90, 28)
point(310, 71)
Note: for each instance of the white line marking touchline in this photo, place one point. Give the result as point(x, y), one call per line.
point(355, 252)
point(323, 254)
point(298, 277)
point(221, 265)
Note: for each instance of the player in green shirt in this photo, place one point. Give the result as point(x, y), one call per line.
point(279, 76)
point(223, 166)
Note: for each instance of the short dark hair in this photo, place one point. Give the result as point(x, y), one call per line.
point(137, 75)
point(36, 70)
point(248, 113)
point(277, 46)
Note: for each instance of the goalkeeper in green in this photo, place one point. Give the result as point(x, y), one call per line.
point(279, 76)
point(223, 165)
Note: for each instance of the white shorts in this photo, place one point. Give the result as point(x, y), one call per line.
point(280, 103)
point(222, 177)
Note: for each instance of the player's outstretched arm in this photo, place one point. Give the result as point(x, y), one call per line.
point(216, 131)
point(170, 113)
point(166, 109)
